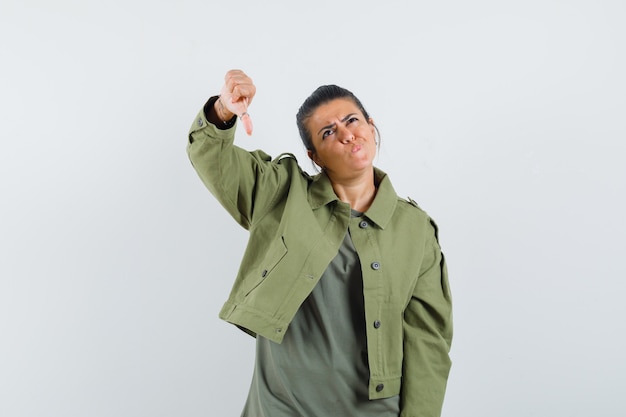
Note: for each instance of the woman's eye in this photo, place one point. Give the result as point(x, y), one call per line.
point(351, 120)
point(326, 133)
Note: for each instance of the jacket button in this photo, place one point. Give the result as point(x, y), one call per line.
point(379, 387)
point(377, 324)
point(200, 122)
point(264, 273)
point(363, 224)
point(375, 266)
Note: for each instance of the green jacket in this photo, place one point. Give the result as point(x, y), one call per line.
point(296, 224)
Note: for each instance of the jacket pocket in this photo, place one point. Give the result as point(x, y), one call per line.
point(273, 257)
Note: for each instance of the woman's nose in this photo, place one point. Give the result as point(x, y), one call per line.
point(345, 135)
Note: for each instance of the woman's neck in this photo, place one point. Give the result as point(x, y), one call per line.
point(358, 192)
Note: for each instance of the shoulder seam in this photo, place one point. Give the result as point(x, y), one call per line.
point(285, 155)
point(413, 202)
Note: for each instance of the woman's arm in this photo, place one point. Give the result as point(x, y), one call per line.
point(427, 337)
point(245, 183)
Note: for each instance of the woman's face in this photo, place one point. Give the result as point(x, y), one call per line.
point(345, 142)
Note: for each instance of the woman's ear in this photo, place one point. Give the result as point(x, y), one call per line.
point(314, 158)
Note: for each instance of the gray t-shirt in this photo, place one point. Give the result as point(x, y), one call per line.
point(320, 369)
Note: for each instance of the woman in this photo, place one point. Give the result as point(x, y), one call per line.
point(343, 283)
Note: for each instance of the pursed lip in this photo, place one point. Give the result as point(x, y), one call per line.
point(356, 148)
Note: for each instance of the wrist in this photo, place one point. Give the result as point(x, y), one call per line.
point(223, 113)
point(213, 115)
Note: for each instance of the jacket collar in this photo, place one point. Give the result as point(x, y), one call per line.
point(380, 212)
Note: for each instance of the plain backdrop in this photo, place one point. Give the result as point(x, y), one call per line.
point(504, 120)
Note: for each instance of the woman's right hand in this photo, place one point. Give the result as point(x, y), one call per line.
point(237, 94)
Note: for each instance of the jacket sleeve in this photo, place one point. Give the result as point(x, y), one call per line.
point(427, 336)
point(245, 183)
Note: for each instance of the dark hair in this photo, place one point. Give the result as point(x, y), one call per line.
point(321, 96)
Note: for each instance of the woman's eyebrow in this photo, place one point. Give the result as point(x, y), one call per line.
point(333, 124)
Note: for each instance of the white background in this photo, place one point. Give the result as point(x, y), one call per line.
point(504, 120)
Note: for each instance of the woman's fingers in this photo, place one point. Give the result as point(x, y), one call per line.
point(247, 122)
point(245, 117)
point(237, 94)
